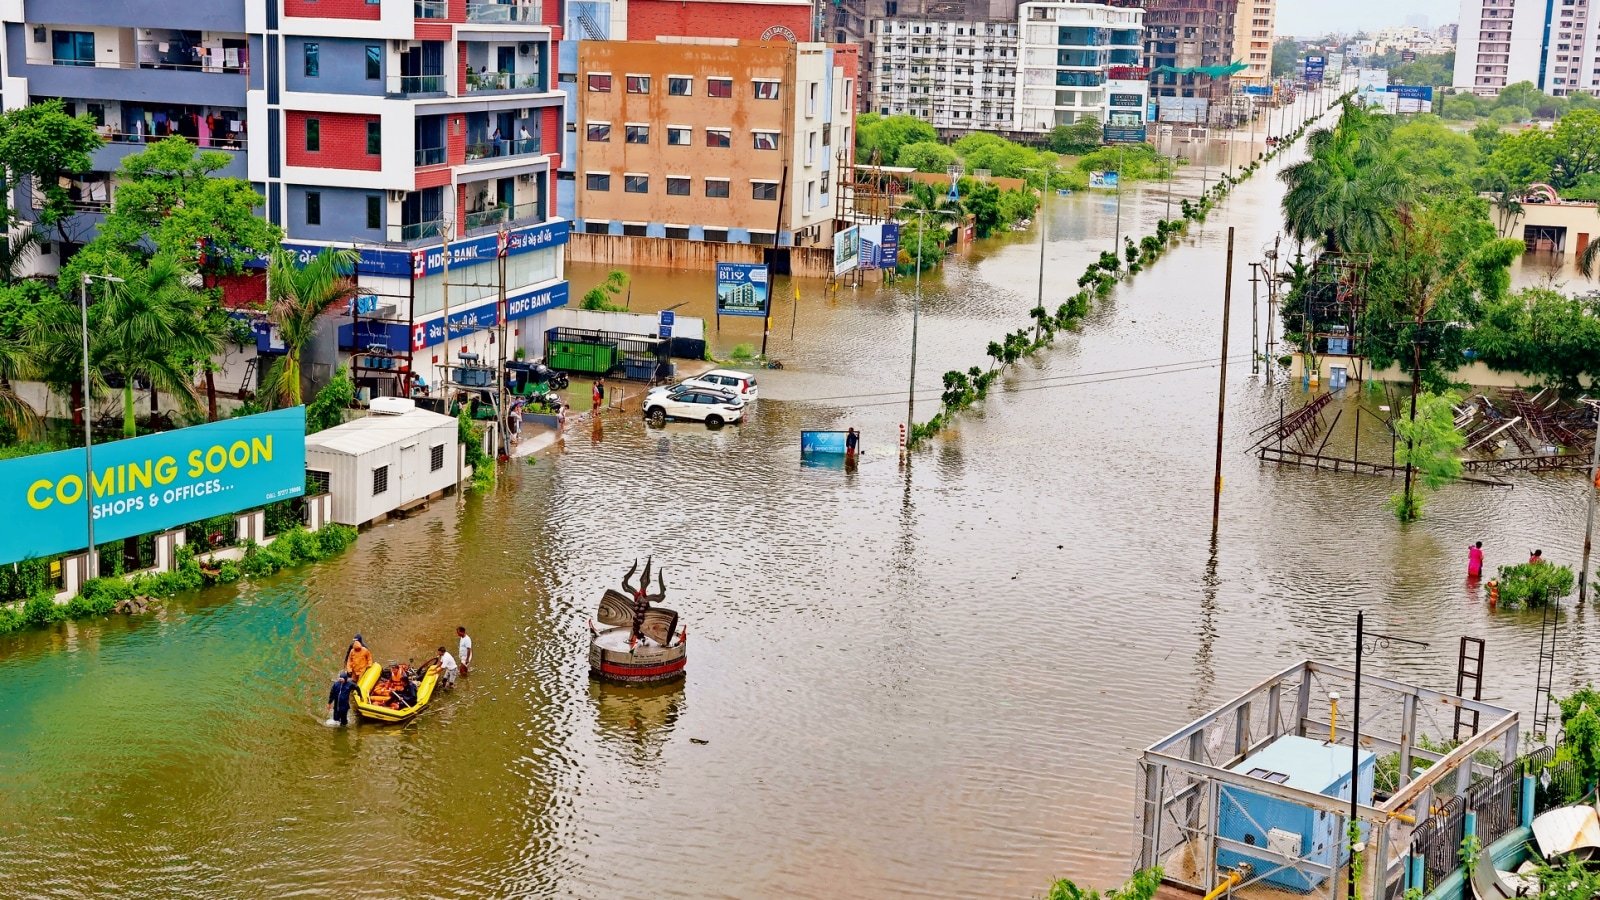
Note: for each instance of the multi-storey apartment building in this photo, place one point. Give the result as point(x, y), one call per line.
point(1501, 42)
point(692, 138)
point(646, 20)
point(955, 75)
point(1254, 22)
point(392, 126)
point(1187, 34)
point(1069, 51)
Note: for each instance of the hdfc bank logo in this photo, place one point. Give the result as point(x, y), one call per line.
point(419, 336)
point(419, 263)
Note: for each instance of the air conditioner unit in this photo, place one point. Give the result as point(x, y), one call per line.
point(524, 48)
point(524, 113)
point(397, 196)
point(398, 45)
point(525, 177)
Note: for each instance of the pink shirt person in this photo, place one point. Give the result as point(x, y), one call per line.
point(1475, 560)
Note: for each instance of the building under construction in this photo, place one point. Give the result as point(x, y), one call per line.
point(1189, 34)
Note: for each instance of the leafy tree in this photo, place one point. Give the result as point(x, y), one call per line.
point(18, 359)
point(887, 134)
point(1016, 205)
point(1488, 136)
point(1346, 192)
point(1533, 586)
point(299, 297)
point(327, 409)
point(147, 326)
point(1285, 55)
point(40, 141)
point(982, 200)
point(922, 241)
point(1510, 115)
point(1541, 332)
point(1003, 158)
point(1080, 137)
point(1437, 70)
point(1142, 886)
point(600, 297)
point(1431, 443)
point(925, 156)
point(1459, 107)
point(1439, 157)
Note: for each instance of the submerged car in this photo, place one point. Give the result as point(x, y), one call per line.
point(715, 408)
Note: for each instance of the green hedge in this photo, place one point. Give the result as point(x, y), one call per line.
point(101, 595)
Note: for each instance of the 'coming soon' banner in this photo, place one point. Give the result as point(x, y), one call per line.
point(152, 483)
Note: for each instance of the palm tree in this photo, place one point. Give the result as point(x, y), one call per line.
point(1345, 194)
point(17, 364)
point(151, 325)
point(299, 296)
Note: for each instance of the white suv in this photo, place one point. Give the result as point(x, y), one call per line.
point(739, 384)
point(715, 408)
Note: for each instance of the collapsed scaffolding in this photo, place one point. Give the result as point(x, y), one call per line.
point(1210, 815)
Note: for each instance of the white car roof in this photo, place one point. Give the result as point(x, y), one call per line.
point(729, 372)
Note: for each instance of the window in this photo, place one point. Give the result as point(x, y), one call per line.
point(811, 98)
point(763, 190)
point(766, 90)
point(380, 480)
point(313, 207)
point(313, 59)
point(719, 87)
point(719, 137)
point(374, 62)
point(597, 227)
point(436, 458)
point(313, 135)
point(811, 148)
point(374, 138)
point(679, 85)
point(600, 132)
point(374, 211)
point(716, 187)
point(678, 137)
point(595, 181)
point(849, 92)
point(678, 232)
point(765, 140)
point(635, 229)
point(677, 187)
point(636, 184)
point(638, 84)
point(317, 482)
point(637, 134)
point(600, 83)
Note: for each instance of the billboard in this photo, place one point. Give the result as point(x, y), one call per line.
point(846, 250)
point(151, 483)
point(1124, 134)
point(1182, 109)
point(1102, 179)
point(1315, 66)
point(880, 246)
point(1412, 98)
point(741, 289)
point(823, 442)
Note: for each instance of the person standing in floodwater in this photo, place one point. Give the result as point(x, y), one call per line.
point(1475, 560)
point(1535, 557)
point(852, 442)
point(598, 395)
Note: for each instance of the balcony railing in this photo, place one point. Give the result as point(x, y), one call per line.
point(492, 149)
point(129, 64)
point(502, 12)
point(215, 142)
point(504, 81)
point(417, 84)
point(418, 230)
point(430, 9)
point(430, 156)
point(498, 215)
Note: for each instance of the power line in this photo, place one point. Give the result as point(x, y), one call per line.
point(1037, 384)
point(1043, 387)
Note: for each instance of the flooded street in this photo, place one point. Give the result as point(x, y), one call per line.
point(930, 683)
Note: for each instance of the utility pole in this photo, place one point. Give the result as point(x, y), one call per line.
point(916, 308)
point(1116, 242)
point(91, 564)
point(777, 231)
point(1589, 492)
point(1044, 225)
point(1255, 321)
point(1416, 386)
point(1222, 388)
point(1170, 169)
point(503, 413)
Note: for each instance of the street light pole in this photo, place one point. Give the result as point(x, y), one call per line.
point(1589, 492)
point(90, 564)
point(1380, 640)
point(916, 310)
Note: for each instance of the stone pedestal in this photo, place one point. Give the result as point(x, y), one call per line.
point(251, 526)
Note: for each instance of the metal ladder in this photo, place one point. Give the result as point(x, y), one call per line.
point(1469, 673)
point(1547, 670)
point(248, 381)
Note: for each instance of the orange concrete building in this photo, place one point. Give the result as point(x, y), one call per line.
point(690, 138)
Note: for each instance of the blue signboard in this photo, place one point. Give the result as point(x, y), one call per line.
point(1314, 68)
point(484, 315)
point(1258, 90)
point(664, 322)
point(1124, 134)
point(822, 442)
point(1412, 92)
point(152, 483)
point(430, 260)
point(741, 289)
point(889, 246)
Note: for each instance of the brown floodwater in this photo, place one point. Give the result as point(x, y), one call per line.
point(902, 683)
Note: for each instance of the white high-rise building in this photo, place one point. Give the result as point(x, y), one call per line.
point(1077, 60)
point(1503, 42)
point(954, 75)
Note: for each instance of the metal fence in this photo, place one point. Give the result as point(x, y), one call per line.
point(1554, 783)
point(1496, 800)
point(1438, 842)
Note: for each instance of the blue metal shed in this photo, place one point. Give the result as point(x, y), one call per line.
point(1287, 827)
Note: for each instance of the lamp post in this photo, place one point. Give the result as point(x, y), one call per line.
point(1044, 224)
point(1379, 641)
point(90, 564)
point(916, 312)
point(1588, 505)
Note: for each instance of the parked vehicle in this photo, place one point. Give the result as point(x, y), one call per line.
point(740, 384)
point(527, 379)
point(715, 408)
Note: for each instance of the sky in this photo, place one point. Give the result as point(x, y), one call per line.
point(1309, 18)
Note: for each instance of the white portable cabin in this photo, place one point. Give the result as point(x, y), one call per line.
point(375, 465)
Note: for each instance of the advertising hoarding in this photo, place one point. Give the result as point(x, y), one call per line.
point(152, 483)
point(880, 246)
point(1315, 66)
point(846, 250)
point(1102, 179)
point(741, 289)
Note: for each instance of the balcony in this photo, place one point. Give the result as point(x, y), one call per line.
point(429, 156)
point(410, 85)
point(488, 149)
point(430, 9)
point(109, 156)
point(419, 230)
point(503, 215)
point(501, 13)
point(504, 81)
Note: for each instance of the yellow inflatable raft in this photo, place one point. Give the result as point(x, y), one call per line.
point(370, 710)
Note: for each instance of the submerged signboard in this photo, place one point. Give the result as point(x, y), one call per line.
point(152, 483)
point(741, 289)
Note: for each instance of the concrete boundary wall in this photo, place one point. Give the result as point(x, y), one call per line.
point(625, 251)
